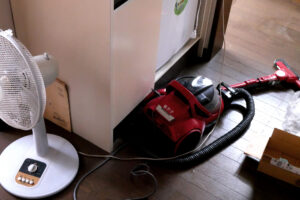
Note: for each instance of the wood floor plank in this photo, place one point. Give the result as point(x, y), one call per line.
point(211, 185)
point(259, 31)
point(171, 182)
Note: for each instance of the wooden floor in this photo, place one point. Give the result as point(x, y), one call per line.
point(258, 32)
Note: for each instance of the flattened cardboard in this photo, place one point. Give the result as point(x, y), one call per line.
point(256, 148)
point(286, 146)
point(57, 106)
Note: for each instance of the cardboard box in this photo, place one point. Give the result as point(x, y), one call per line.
point(281, 157)
point(256, 146)
point(57, 105)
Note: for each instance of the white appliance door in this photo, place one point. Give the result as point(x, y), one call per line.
point(176, 27)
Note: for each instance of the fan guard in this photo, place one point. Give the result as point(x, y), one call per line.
point(22, 89)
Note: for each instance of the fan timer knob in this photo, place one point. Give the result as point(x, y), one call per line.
point(32, 168)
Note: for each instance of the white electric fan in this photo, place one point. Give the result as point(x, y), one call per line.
point(40, 164)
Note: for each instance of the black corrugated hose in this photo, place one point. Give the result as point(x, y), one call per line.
point(220, 143)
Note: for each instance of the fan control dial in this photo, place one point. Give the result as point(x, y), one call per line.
point(32, 168)
point(30, 172)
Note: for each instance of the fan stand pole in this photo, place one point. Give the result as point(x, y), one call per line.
point(40, 139)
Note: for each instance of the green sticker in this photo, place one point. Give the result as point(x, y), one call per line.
point(179, 6)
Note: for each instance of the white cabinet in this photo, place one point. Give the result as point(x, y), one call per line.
point(135, 33)
point(106, 56)
point(178, 21)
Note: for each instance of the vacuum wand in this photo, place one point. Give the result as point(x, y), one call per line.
point(284, 74)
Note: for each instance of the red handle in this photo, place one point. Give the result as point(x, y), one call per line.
point(250, 82)
point(188, 96)
point(183, 91)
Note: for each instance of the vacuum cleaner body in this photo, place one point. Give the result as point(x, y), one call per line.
point(187, 106)
point(184, 109)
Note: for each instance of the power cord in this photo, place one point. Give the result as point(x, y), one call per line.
point(94, 169)
point(149, 158)
point(141, 169)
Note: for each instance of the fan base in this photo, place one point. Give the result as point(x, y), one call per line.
point(56, 169)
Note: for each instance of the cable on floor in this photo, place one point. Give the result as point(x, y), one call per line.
point(94, 169)
point(143, 170)
point(150, 158)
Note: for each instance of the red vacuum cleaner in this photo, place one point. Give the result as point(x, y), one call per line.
point(189, 105)
point(284, 73)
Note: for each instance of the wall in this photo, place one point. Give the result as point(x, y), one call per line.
point(6, 21)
